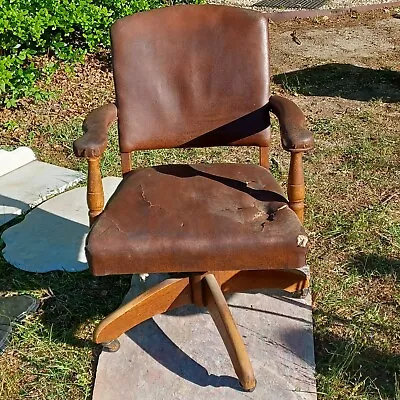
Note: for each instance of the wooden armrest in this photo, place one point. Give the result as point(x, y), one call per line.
point(295, 136)
point(95, 126)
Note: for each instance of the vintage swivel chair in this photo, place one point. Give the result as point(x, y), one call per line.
point(194, 76)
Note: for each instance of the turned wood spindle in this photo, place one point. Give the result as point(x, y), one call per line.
point(95, 194)
point(295, 188)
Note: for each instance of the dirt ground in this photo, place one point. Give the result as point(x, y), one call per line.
point(353, 45)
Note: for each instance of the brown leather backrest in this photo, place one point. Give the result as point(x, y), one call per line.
point(191, 76)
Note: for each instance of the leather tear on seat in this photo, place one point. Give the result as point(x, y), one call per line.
point(146, 199)
point(302, 241)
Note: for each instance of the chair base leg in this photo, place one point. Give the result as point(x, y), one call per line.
point(216, 304)
point(203, 289)
point(167, 295)
point(292, 281)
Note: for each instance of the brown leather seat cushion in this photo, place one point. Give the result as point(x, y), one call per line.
point(188, 218)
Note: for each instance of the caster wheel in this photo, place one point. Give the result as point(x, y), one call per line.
point(301, 294)
point(111, 347)
point(249, 389)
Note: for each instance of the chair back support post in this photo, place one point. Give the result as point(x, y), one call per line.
point(95, 193)
point(264, 157)
point(126, 164)
point(295, 188)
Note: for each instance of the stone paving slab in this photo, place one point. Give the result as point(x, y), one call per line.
point(11, 160)
point(30, 185)
point(52, 236)
point(181, 355)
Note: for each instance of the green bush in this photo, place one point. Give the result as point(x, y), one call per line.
point(65, 29)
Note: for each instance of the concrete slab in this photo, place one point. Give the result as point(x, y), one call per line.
point(11, 160)
point(52, 236)
point(181, 355)
point(30, 185)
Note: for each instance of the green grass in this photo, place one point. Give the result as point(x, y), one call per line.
point(353, 201)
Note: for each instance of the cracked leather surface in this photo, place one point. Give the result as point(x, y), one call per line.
point(186, 218)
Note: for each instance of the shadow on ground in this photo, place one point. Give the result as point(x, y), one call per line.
point(359, 359)
point(70, 299)
point(343, 80)
point(350, 361)
point(376, 265)
point(152, 339)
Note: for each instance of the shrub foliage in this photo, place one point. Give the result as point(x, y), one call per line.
point(64, 29)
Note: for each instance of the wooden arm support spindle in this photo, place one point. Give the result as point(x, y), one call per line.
point(95, 193)
point(295, 189)
point(296, 139)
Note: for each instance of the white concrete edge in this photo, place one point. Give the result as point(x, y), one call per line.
point(57, 191)
point(12, 160)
